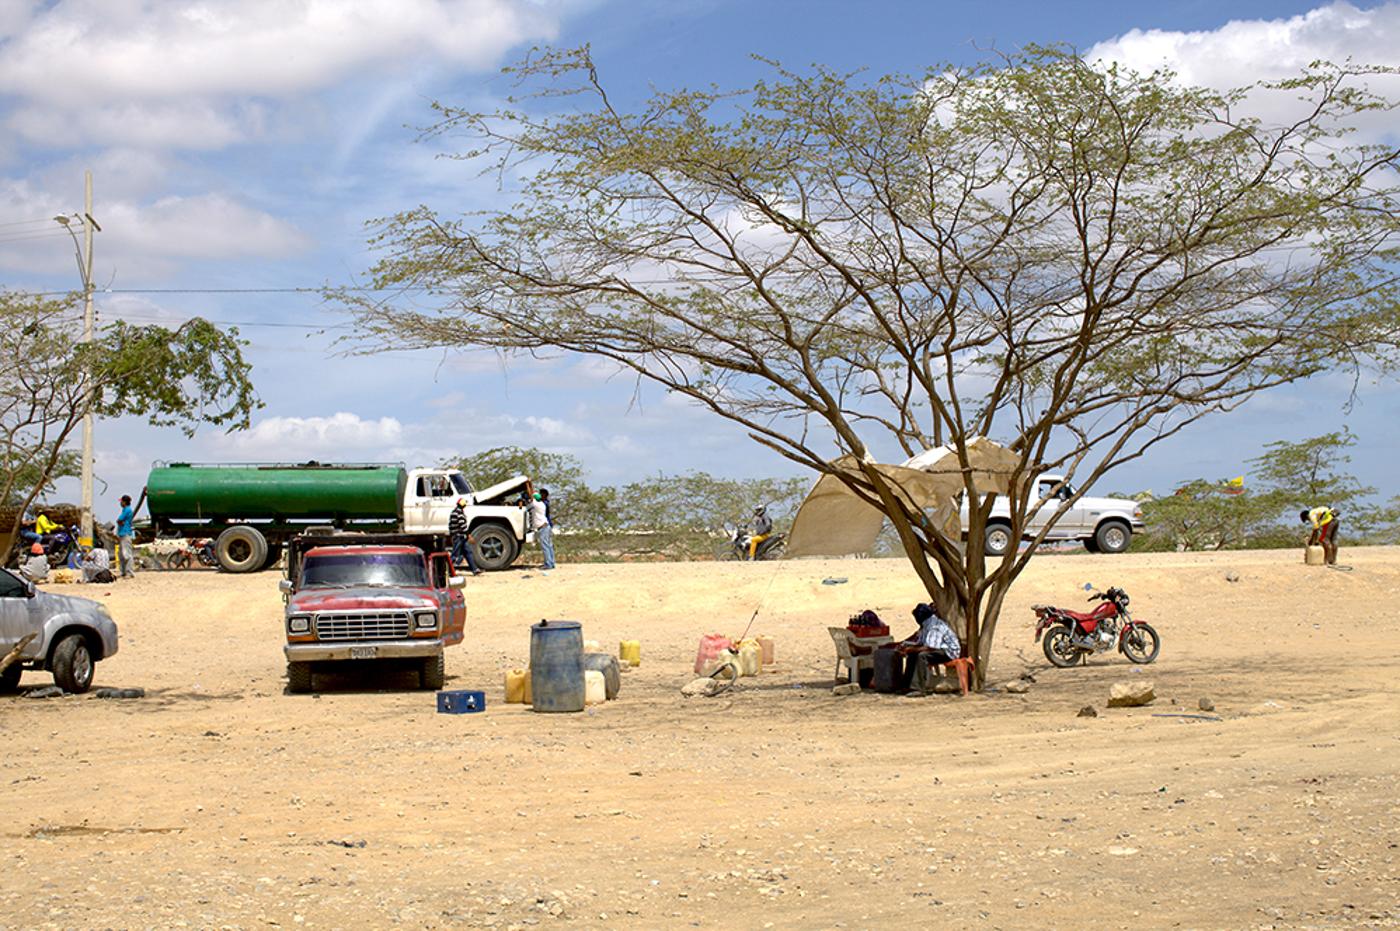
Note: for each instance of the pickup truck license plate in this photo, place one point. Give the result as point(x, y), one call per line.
point(364, 652)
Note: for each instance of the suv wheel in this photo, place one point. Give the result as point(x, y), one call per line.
point(495, 546)
point(299, 678)
point(1113, 536)
point(997, 540)
point(431, 673)
point(9, 679)
point(72, 664)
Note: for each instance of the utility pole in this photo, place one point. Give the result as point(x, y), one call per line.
point(89, 324)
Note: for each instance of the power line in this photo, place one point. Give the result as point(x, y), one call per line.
point(44, 221)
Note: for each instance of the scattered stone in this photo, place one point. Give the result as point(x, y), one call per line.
point(1131, 694)
point(119, 693)
point(1205, 704)
point(347, 842)
point(1088, 711)
point(1019, 687)
point(48, 691)
point(946, 685)
point(1232, 576)
point(703, 686)
point(850, 688)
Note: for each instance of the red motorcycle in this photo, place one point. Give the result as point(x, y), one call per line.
point(1071, 637)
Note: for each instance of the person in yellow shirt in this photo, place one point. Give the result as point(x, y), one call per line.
point(43, 526)
point(1324, 530)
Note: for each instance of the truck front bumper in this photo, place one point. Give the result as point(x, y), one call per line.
point(372, 649)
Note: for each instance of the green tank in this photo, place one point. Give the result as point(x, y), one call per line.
point(183, 491)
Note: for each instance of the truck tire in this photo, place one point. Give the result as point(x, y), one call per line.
point(997, 539)
point(431, 673)
point(495, 547)
point(1113, 536)
point(299, 678)
point(72, 664)
point(241, 549)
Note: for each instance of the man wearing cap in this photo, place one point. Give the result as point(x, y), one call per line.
point(126, 539)
point(461, 539)
point(544, 531)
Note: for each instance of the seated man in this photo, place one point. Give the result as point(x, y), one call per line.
point(95, 563)
point(36, 567)
point(934, 638)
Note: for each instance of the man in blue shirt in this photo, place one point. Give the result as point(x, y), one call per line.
point(125, 538)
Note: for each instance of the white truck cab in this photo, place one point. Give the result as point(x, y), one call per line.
point(1105, 525)
point(495, 521)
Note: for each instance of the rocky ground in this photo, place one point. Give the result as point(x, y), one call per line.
point(219, 801)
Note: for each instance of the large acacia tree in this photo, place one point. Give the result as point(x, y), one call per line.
point(50, 380)
point(1071, 258)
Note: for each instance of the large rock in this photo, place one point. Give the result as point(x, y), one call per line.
point(849, 688)
point(704, 686)
point(1130, 694)
point(1017, 687)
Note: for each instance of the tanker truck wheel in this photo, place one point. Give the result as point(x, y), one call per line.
point(241, 549)
point(495, 546)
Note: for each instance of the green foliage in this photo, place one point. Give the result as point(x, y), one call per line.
point(1201, 515)
point(1310, 473)
point(50, 380)
point(662, 517)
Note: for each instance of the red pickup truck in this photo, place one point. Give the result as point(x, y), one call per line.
point(389, 598)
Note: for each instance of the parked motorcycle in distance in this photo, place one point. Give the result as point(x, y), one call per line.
point(738, 545)
point(60, 547)
point(1072, 636)
point(201, 550)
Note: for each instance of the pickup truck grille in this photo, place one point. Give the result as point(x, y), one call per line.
point(387, 625)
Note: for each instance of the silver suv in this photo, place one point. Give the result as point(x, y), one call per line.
point(70, 634)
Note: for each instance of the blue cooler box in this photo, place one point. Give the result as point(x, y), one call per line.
point(461, 701)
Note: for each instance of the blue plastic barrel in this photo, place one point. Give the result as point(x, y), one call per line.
point(556, 666)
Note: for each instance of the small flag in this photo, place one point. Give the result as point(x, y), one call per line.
point(1235, 485)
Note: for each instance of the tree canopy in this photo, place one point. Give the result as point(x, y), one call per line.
point(1069, 257)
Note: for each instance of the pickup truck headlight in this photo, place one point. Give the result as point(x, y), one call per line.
point(299, 624)
point(425, 620)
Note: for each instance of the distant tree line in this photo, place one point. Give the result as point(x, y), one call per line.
point(681, 516)
point(1263, 512)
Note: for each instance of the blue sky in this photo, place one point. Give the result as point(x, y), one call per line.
point(242, 145)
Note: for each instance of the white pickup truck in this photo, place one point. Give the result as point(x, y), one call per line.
point(1105, 525)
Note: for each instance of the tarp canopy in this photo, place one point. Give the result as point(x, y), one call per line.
point(834, 521)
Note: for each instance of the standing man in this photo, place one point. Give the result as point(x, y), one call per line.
point(544, 532)
point(461, 539)
point(125, 539)
point(1324, 531)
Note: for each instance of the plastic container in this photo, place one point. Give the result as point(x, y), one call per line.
point(767, 646)
point(707, 656)
point(556, 666)
point(461, 701)
point(595, 688)
point(630, 652)
point(517, 687)
point(609, 667)
point(750, 658)
point(591, 646)
point(1315, 556)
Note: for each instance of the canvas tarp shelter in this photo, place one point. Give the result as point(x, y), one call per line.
point(834, 521)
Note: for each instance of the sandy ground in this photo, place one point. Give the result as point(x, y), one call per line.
point(220, 801)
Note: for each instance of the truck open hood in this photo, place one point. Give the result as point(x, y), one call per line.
point(499, 492)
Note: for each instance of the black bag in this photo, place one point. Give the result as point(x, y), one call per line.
point(105, 577)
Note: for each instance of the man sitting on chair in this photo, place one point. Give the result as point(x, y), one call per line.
point(934, 638)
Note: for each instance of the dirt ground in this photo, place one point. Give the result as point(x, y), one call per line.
point(220, 801)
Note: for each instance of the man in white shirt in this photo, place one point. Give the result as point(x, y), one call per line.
point(544, 533)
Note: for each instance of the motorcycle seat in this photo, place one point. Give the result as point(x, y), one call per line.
point(1078, 615)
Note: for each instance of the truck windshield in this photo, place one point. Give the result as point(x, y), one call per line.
point(459, 481)
point(364, 569)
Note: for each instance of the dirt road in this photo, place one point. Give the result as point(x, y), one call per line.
point(220, 801)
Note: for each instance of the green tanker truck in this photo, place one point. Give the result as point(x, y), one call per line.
point(252, 510)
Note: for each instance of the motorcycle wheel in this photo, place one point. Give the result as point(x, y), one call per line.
point(730, 553)
point(1059, 649)
point(1140, 644)
point(178, 560)
point(775, 551)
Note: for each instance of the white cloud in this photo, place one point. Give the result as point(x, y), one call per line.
point(324, 438)
point(1245, 51)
